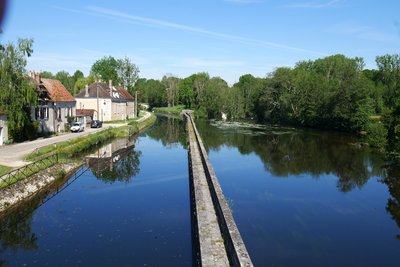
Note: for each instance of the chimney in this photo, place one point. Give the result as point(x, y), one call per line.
point(110, 86)
point(37, 77)
point(87, 90)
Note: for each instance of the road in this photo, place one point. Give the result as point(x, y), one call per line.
point(13, 155)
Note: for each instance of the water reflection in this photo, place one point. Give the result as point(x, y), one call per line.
point(392, 180)
point(287, 151)
point(169, 130)
point(115, 162)
point(15, 229)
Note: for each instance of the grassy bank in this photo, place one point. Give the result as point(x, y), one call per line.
point(4, 169)
point(76, 146)
point(176, 110)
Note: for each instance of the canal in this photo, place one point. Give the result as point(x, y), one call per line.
point(306, 198)
point(299, 198)
point(131, 208)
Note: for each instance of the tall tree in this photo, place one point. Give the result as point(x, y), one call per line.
point(16, 93)
point(171, 84)
point(186, 93)
point(67, 80)
point(128, 73)
point(389, 72)
point(106, 69)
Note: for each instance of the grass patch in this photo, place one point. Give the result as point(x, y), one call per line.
point(75, 147)
point(4, 169)
point(170, 110)
point(28, 170)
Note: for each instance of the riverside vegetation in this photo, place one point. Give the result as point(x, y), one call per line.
point(334, 93)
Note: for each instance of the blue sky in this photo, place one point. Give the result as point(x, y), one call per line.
point(226, 38)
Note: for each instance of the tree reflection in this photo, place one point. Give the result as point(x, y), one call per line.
point(115, 162)
point(287, 151)
point(15, 228)
point(169, 130)
point(392, 180)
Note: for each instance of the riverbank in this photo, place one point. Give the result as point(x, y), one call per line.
point(24, 189)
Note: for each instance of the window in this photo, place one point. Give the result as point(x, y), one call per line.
point(59, 113)
point(37, 113)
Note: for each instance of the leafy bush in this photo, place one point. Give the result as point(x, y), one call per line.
point(377, 135)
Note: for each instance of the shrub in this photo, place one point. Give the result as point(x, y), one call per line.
point(377, 135)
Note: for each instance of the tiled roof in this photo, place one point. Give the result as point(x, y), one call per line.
point(84, 112)
point(57, 91)
point(125, 93)
point(102, 88)
point(103, 91)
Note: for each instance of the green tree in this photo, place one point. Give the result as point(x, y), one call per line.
point(78, 75)
point(67, 80)
point(186, 93)
point(140, 86)
point(214, 97)
point(250, 88)
point(47, 75)
point(128, 73)
point(199, 86)
point(171, 84)
point(17, 94)
point(156, 93)
point(106, 69)
point(82, 82)
point(389, 75)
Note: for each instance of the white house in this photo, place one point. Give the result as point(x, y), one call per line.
point(55, 104)
point(3, 128)
point(107, 101)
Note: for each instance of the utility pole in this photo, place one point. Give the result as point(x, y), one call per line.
point(97, 93)
point(136, 104)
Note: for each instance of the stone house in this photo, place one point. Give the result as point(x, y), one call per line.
point(3, 128)
point(108, 102)
point(55, 104)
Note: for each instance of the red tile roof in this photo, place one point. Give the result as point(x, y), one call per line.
point(57, 91)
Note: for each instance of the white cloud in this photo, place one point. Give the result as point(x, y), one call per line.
point(369, 33)
point(315, 5)
point(117, 15)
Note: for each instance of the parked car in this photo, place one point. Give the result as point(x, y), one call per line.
point(77, 127)
point(96, 124)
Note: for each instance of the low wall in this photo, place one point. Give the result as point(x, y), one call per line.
point(235, 249)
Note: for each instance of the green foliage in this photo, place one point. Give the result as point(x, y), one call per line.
point(122, 72)
point(186, 92)
point(17, 94)
point(106, 69)
point(127, 72)
point(377, 136)
point(176, 110)
point(67, 80)
point(171, 84)
point(389, 76)
point(391, 120)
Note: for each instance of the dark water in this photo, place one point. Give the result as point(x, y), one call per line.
point(307, 198)
point(130, 209)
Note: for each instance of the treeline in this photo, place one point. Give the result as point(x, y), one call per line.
point(121, 71)
point(334, 93)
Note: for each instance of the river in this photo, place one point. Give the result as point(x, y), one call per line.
point(299, 198)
